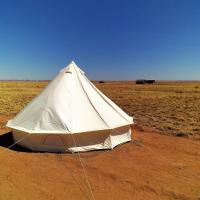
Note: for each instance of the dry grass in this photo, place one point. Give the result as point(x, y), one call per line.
point(14, 95)
point(166, 107)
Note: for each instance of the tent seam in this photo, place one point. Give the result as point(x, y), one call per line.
point(91, 102)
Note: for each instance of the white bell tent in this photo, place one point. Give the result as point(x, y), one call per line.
point(71, 114)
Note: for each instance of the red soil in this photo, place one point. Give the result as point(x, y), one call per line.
point(151, 167)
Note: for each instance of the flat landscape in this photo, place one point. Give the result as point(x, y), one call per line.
point(162, 161)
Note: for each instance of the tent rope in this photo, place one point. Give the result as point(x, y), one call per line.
point(84, 170)
point(60, 158)
point(80, 159)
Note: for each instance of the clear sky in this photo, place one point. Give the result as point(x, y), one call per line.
point(108, 39)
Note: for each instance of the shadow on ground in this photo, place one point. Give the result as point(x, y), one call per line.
point(6, 141)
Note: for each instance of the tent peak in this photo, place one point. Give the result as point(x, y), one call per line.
point(71, 67)
point(72, 62)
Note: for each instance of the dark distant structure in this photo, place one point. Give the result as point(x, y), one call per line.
point(143, 81)
point(101, 81)
point(150, 81)
point(140, 81)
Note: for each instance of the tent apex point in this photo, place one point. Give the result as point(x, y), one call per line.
point(72, 62)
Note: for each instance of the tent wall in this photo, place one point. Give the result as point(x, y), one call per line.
point(86, 141)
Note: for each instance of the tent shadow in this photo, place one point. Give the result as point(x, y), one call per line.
point(6, 141)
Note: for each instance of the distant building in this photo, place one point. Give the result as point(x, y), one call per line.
point(150, 81)
point(140, 81)
point(143, 81)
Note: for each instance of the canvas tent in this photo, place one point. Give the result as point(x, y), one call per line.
point(71, 114)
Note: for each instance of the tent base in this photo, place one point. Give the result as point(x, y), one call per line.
point(79, 142)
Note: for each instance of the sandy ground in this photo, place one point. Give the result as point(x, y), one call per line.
point(152, 166)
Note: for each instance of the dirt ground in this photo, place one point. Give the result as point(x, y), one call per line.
point(151, 167)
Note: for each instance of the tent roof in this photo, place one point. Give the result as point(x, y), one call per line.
point(70, 104)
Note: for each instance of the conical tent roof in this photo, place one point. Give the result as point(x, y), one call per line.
point(70, 104)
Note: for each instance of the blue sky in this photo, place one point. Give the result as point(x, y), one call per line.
point(108, 39)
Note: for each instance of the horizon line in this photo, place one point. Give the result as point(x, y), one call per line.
point(114, 80)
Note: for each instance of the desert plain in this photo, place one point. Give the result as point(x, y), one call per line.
point(162, 162)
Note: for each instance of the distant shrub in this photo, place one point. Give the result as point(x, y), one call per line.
point(182, 134)
point(196, 87)
point(196, 129)
point(101, 81)
point(179, 91)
